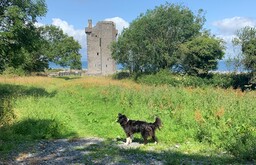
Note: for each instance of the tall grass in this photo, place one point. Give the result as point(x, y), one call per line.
point(196, 118)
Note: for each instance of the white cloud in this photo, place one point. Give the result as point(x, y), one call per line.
point(231, 25)
point(78, 34)
point(68, 29)
point(229, 51)
point(120, 23)
point(226, 38)
point(227, 28)
point(38, 24)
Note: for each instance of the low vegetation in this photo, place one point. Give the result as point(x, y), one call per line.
point(228, 80)
point(205, 121)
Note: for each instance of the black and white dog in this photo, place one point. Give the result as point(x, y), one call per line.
point(133, 126)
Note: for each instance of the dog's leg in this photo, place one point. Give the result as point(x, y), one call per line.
point(145, 137)
point(128, 140)
point(145, 141)
point(155, 139)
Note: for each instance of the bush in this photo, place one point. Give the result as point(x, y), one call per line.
point(212, 79)
point(11, 71)
point(121, 75)
point(160, 78)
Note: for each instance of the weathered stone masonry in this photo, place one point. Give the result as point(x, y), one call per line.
point(99, 39)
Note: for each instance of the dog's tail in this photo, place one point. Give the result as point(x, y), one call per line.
point(158, 123)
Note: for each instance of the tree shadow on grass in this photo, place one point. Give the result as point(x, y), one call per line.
point(9, 92)
point(9, 134)
point(109, 152)
point(18, 137)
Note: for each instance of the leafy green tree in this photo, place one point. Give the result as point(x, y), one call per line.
point(25, 46)
point(152, 40)
point(60, 48)
point(17, 30)
point(201, 54)
point(246, 38)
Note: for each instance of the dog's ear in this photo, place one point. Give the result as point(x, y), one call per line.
point(119, 114)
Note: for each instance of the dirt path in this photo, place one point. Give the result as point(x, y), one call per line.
point(80, 151)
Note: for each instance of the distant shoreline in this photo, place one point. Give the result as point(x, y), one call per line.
point(222, 67)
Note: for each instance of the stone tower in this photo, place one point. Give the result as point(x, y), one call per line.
point(99, 39)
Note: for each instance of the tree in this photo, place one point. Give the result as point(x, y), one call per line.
point(31, 48)
point(201, 54)
point(152, 40)
point(246, 38)
point(17, 30)
point(60, 48)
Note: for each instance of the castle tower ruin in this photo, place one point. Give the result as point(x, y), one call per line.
point(99, 39)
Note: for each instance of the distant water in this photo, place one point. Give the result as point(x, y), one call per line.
point(56, 66)
point(84, 66)
point(222, 66)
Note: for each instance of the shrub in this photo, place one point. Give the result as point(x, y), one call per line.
point(11, 71)
point(121, 75)
point(160, 78)
point(212, 79)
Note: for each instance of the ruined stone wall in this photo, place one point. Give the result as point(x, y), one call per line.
point(99, 39)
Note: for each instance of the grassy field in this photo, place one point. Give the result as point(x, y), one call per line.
point(198, 123)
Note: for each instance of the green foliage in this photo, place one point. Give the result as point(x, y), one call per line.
point(152, 40)
point(25, 46)
point(201, 54)
point(121, 75)
point(160, 78)
point(165, 77)
point(60, 48)
point(11, 71)
point(247, 40)
point(17, 29)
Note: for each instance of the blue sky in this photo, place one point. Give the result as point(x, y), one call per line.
point(223, 17)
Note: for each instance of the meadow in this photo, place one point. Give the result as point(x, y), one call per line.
point(206, 123)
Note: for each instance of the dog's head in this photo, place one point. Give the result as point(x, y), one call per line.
point(121, 118)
